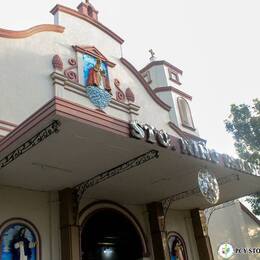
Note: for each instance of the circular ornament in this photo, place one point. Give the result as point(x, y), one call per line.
point(72, 62)
point(208, 186)
point(226, 251)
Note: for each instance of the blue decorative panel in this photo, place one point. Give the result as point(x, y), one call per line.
point(18, 242)
point(99, 97)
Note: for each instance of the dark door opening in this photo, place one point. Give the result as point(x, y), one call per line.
point(109, 235)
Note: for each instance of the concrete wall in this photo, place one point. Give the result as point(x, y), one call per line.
point(231, 224)
point(41, 209)
point(180, 221)
point(252, 231)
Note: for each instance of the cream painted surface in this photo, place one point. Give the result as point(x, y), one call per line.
point(26, 68)
point(24, 80)
point(158, 76)
point(180, 221)
point(40, 208)
point(80, 32)
point(231, 224)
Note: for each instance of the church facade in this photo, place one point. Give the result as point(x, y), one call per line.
point(99, 160)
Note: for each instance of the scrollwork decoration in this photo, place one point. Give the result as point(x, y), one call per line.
point(53, 128)
point(69, 72)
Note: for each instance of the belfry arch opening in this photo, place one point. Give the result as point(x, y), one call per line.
point(108, 234)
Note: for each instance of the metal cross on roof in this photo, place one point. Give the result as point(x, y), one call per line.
point(152, 53)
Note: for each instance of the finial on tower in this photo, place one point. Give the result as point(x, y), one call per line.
point(152, 58)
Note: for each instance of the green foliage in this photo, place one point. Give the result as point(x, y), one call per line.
point(244, 125)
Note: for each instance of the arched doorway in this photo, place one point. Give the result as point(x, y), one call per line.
point(109, 235)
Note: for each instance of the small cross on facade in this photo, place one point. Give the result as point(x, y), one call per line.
point(152, 58)
point(152, 53)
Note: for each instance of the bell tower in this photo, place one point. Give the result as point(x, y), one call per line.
point(165, 81)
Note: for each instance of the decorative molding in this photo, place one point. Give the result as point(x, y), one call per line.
point(57, 62)
point(161, 62)
point(67, 10)
point(29, 32)
point(67, 109)
point(184, 134)
point(29, 144)
point(145, 85)
point(93, 51)
point(194, 137)
point(176, 78)
point(92, 117)
point(79, 89)
point(173, 89)
point(41, 114)
point(84, 186)
point(8, 124)
point(178, 130)
point(130, 95)
point(120, 95)
point(6, 129)
point(188, 127)
point(147, 77)
point(69, 73)
point(181, 112)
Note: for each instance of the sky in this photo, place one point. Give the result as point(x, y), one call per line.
point(215, 43)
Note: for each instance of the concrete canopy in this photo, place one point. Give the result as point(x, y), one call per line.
point(90, 142)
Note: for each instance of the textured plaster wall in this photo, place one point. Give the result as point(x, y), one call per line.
point(40, 208)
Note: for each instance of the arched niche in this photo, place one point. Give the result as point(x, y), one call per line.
point(177, 246)
point(104, 218)
point(19, 236)
point(185, 113)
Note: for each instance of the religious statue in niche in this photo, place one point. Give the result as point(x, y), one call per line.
point(177, 248)
point(97, 81)
point(18, 242)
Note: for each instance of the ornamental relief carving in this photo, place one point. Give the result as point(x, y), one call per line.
point(91, 71)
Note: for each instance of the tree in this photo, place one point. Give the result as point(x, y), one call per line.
point(244, 125)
